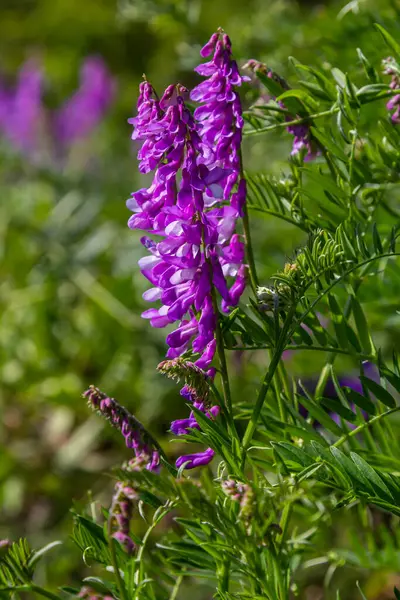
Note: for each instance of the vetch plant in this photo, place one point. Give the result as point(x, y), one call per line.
point(238, 515)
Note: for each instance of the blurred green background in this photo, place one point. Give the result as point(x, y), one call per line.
point(70, 289)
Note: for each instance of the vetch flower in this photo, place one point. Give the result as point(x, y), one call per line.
point(121, 514)
point(191, 209)
point(391, 67)
point(199, 459)
point(136, 436)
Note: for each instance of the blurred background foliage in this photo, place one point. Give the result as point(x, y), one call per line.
point(70, 289)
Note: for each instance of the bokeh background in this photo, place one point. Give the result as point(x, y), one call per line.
point(70, 289)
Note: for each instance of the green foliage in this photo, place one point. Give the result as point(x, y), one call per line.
point(316, 469)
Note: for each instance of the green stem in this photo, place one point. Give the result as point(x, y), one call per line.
point(306, 119)
point(45, 593)
point(357, 430)
point(30, 587)
point(247, 237)
point(223, 576)
point(176, 587)
point(251, 427)
point(299, 121)
point(307, 347)
point(114, 562)
point(249, 250)
point(326, 371)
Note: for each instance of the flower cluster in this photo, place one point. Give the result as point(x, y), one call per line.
point(27, 124)
point(136, 437)
point(302, 142)
point(244, 494)
point(88, 593)
point(192, 206)
point(121, 514)
point(391, 67)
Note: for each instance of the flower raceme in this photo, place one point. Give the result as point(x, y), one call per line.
point(136, 437)
point(28, 124)
point(192, 208)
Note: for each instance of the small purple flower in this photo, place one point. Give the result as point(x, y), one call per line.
point(392, 68)
point(199, 459)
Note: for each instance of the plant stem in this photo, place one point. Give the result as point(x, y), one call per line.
point(223, 576)
point(41, 592)
point(276, 357)
point(247, 237)
point(249, 250)
point(306, 119)
point(114, 562)
point(176, 587)
point(326, 371)
point(307, 347)
point(357, 430)
point(299, 121)
point(223, 369)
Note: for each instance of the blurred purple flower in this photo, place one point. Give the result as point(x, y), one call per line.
point(28, 125)
point(85, 109)
point(21, 111)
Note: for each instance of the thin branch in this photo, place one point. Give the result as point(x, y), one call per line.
point(332, 349)
point(350, 434)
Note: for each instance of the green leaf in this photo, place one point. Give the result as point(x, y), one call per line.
point(337, 407)
point(355, 475)
point(392, 378)
point(360, 400)
point(372, 476)
point(321, 416)
point(339, 321)
point(339, 77)
point(292, 453)
point(379, 392)
point(329, 144)
point(38, 554)
point(391, 42)
point(362, 326)
point(300, 95)
point(377, 240)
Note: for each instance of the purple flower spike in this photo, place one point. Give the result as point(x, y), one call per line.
point(191, 207)
point(136, 436)
point(200, 459)
point(22, 114)
point(81, 113)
